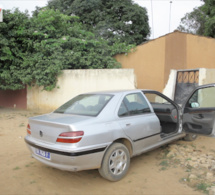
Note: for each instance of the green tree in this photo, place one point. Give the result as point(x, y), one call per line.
point(113, 20)
point(36, 49)
point(63, 6)
point(13, 33)
point(201, 20)
point(193, 22)
point(209, 9)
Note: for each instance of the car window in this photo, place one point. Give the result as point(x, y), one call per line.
point(123, 111)
point(154, 98)
point(87, 104)
point(203, 98)
point(133, 104)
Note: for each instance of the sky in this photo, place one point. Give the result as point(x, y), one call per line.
point(164, 15)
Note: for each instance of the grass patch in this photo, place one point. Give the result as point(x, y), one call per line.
point(203, 187)
point(189, 168)
point(176, 161)
point(193, 146)
point(164, 152)
point(10, 117)
point(212, 150)
point(32, 182)
point(16, 168)
point(22, 125)
point(29, 164)
point(203, 147)
point(164, 165)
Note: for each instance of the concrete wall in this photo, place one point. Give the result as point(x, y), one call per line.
point(206, 76)
point(148, 61)
point(175, 53)
point(200, 52)
point(153, 61)
point(74, 82)
point(169, 89)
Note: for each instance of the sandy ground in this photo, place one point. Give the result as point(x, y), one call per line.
point(22, 174)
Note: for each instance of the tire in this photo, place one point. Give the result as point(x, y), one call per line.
point(116, 162)
point(190, 137)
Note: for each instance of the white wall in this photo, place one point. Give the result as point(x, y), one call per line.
point(206, 76)
point(74, 82)
point(169, 89)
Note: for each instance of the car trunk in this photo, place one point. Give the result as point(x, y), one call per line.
point(47, 128)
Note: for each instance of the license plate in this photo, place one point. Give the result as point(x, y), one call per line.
point(43, 154)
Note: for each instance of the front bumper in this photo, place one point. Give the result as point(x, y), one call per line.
point(69, 161)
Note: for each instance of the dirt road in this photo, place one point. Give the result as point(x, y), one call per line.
point(22, 174)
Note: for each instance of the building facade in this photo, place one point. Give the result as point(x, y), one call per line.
point(153, 60)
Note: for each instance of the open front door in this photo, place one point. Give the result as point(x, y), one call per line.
point(199, 111)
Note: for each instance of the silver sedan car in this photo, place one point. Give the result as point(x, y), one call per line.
point(103, 130)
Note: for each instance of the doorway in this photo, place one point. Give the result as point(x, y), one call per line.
point(186, 82)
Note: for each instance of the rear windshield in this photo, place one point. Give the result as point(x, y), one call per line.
point(89, 104)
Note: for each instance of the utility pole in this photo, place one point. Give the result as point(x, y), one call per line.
point(170, 15)
point(152, 20)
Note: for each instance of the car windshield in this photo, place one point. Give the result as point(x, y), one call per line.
point(88, 104)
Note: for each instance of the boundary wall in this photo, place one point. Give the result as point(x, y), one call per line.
point(74, 82)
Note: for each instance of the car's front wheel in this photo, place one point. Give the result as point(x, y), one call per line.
point(115, 163)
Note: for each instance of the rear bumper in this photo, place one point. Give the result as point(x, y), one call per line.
point(68, 161)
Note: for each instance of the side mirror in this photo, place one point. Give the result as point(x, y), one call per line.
point(194, 105)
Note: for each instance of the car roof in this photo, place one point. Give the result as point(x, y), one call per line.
point(114, 92)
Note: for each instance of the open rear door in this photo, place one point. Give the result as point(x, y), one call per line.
point(199, 111)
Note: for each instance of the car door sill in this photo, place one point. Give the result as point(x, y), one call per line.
point(165, 140)
point(165, 136)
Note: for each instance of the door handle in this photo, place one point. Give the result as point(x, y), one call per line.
point(127, 125)
point(199, 116)
point(202, 120)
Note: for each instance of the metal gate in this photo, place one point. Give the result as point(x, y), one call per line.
point(187, 81)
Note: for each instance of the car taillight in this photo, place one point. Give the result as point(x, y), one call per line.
point(70, 137)
point(28, 130)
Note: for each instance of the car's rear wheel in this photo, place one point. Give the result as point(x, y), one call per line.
point(190, 137)
point(115, 163)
